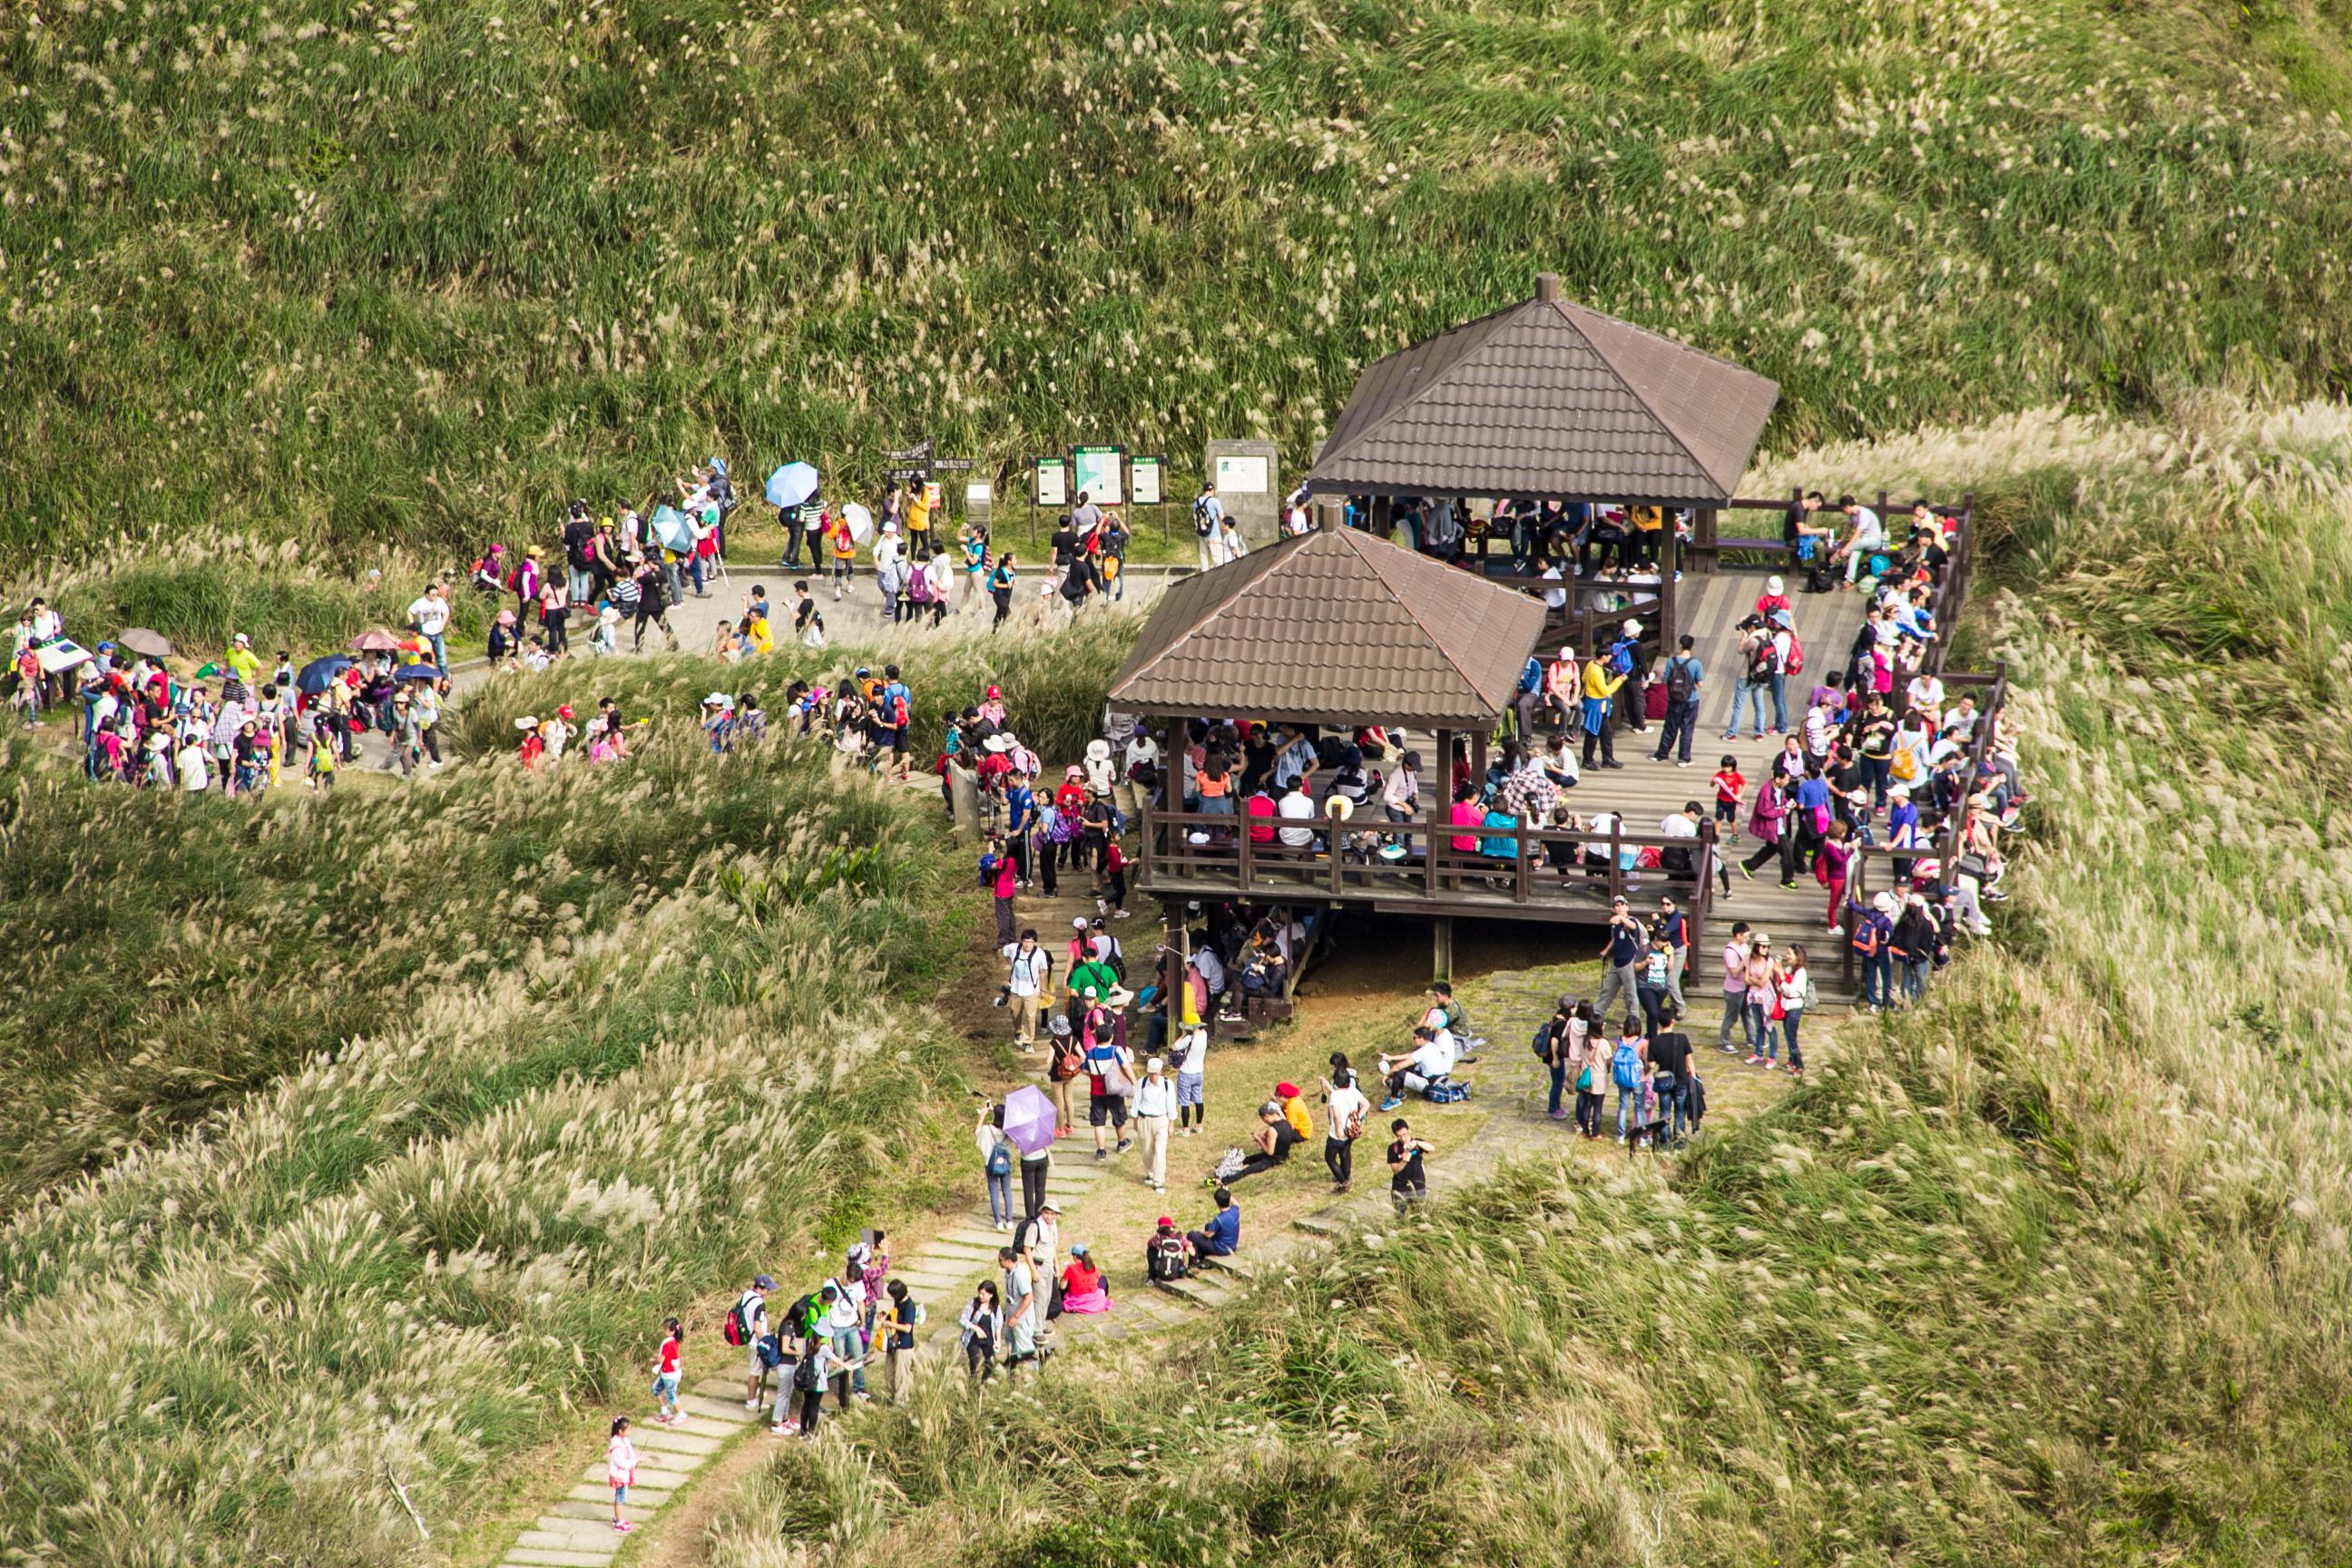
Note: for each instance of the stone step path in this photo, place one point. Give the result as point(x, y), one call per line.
point(576, 1530)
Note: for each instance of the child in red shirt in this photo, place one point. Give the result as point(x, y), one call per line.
point(1730, 783)
point(667, 1371)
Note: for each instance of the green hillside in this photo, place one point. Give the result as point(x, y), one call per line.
point(412, 272)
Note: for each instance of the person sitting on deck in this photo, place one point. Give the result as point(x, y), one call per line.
point(1295, 807)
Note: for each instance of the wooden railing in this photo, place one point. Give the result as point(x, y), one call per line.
point(1531, 874)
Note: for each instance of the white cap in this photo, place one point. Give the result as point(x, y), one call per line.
point(1774, 586)
point(1632, 628)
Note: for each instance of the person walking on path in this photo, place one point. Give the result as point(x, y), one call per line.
point(1154, 1110)
point(811, 1372)
point(750, 1321)
point(1684, 673)
point(1408, 1181)
point(667, 1370)
point(1344, 1109)
point(1000, 875)
point(1191, 1058)
point(1029, 971)
point(620, 1471)
point(1020, 1311)
point(997, 1157)
point(898, 1357)
point(1795, 987)
point(978, 1331)
point(1036, 1167)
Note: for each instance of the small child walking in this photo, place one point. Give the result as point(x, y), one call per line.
point(620, 1471)
point(667, 1370)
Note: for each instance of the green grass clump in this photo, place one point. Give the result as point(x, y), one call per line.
point(360, 274)
point(2049, 1272)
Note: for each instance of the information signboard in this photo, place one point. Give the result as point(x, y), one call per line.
point(1052, 488)
point(1146, 472)
point(1101, 474)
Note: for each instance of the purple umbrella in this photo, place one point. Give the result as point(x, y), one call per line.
point(1029, 1118)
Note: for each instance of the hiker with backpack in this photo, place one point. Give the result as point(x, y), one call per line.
point(747, 1321)
point(1345, 1110)
point(1628, 1071)
point(1602, 681)
point(1684, 674)
point(1166, 1254)
point(1759, 664)
point(998, 1154)
point(1670, 1069)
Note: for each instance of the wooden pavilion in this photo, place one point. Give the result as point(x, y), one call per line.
point(1342, 630)
point(1548, 400)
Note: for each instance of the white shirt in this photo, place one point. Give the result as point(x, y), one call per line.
point(1196, 1055)
point(1679, 827)
point(1345, 1103)
point(1868, 532)
point(1029, 971)
point(46, 625)
point(1436, 1058)
point(1556, 593)
point(1154, 1097)
point(1295, 806)
point(194, 768)
point(431, 615)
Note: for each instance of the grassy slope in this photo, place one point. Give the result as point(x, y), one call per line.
point(413, 272)
point(2056, 1274)
point(409, 1111)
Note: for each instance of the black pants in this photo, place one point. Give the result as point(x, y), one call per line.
point(1033, 1187)
point(1588, 1111)
point(658, 617)
point(812, 1406)
point(1682, 719)
point(1340, 1159)
point(980, 1360)
point(557, 626)
point(1003, 598)
point(1785, 846)
point(1603, 739)
point(792, 533)
point(1257, 1164)
point(431, 736)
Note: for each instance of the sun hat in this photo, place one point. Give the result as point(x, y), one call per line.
point(1098, 751)
point(528, 721)
point(1049, 1206)
point(1120, 996)
point(1774, 586)
point(1060, 1025)
point(1074, 772)
point(506, 617)
point(1632, 628)
point(996, 743)
point(716, 698)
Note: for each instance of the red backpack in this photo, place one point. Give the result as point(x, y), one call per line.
point(1796, 654)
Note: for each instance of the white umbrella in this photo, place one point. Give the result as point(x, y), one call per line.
point(860, 520)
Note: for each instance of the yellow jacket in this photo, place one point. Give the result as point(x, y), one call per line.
point(1599, 680)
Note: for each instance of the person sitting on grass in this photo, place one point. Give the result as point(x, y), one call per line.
point(1221, 1237)
point(1431, 1058)
point(1274, 1139)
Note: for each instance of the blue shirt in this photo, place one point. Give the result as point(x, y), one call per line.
point(1626, 946)
point(1017, 807)
point(1812, 791)
point(1224, 1233)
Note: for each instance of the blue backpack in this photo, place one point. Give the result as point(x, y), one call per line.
point(1626, 1067)
point(1621, 658)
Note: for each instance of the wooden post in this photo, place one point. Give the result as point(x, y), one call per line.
point(1520, 861)
point(1171, 962)
point(1704, 529)
point(1616, 875)
point(1666, 623)
point(1441, 943)
point(1440, 798)
point(1856, 892)
point(1384, 516)
point(1478, 758)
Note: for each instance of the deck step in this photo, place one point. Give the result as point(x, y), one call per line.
point(550, 1557)
point(1199, 1292)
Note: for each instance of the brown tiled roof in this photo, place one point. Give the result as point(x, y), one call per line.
point(1335, 627)
point(1550, 401)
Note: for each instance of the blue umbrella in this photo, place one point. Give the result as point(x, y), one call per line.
point(417, 672)
point(792, 484)
point(314, 676)
point(670, 526)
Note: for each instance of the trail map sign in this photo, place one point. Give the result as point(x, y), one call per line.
point(1101, 477)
